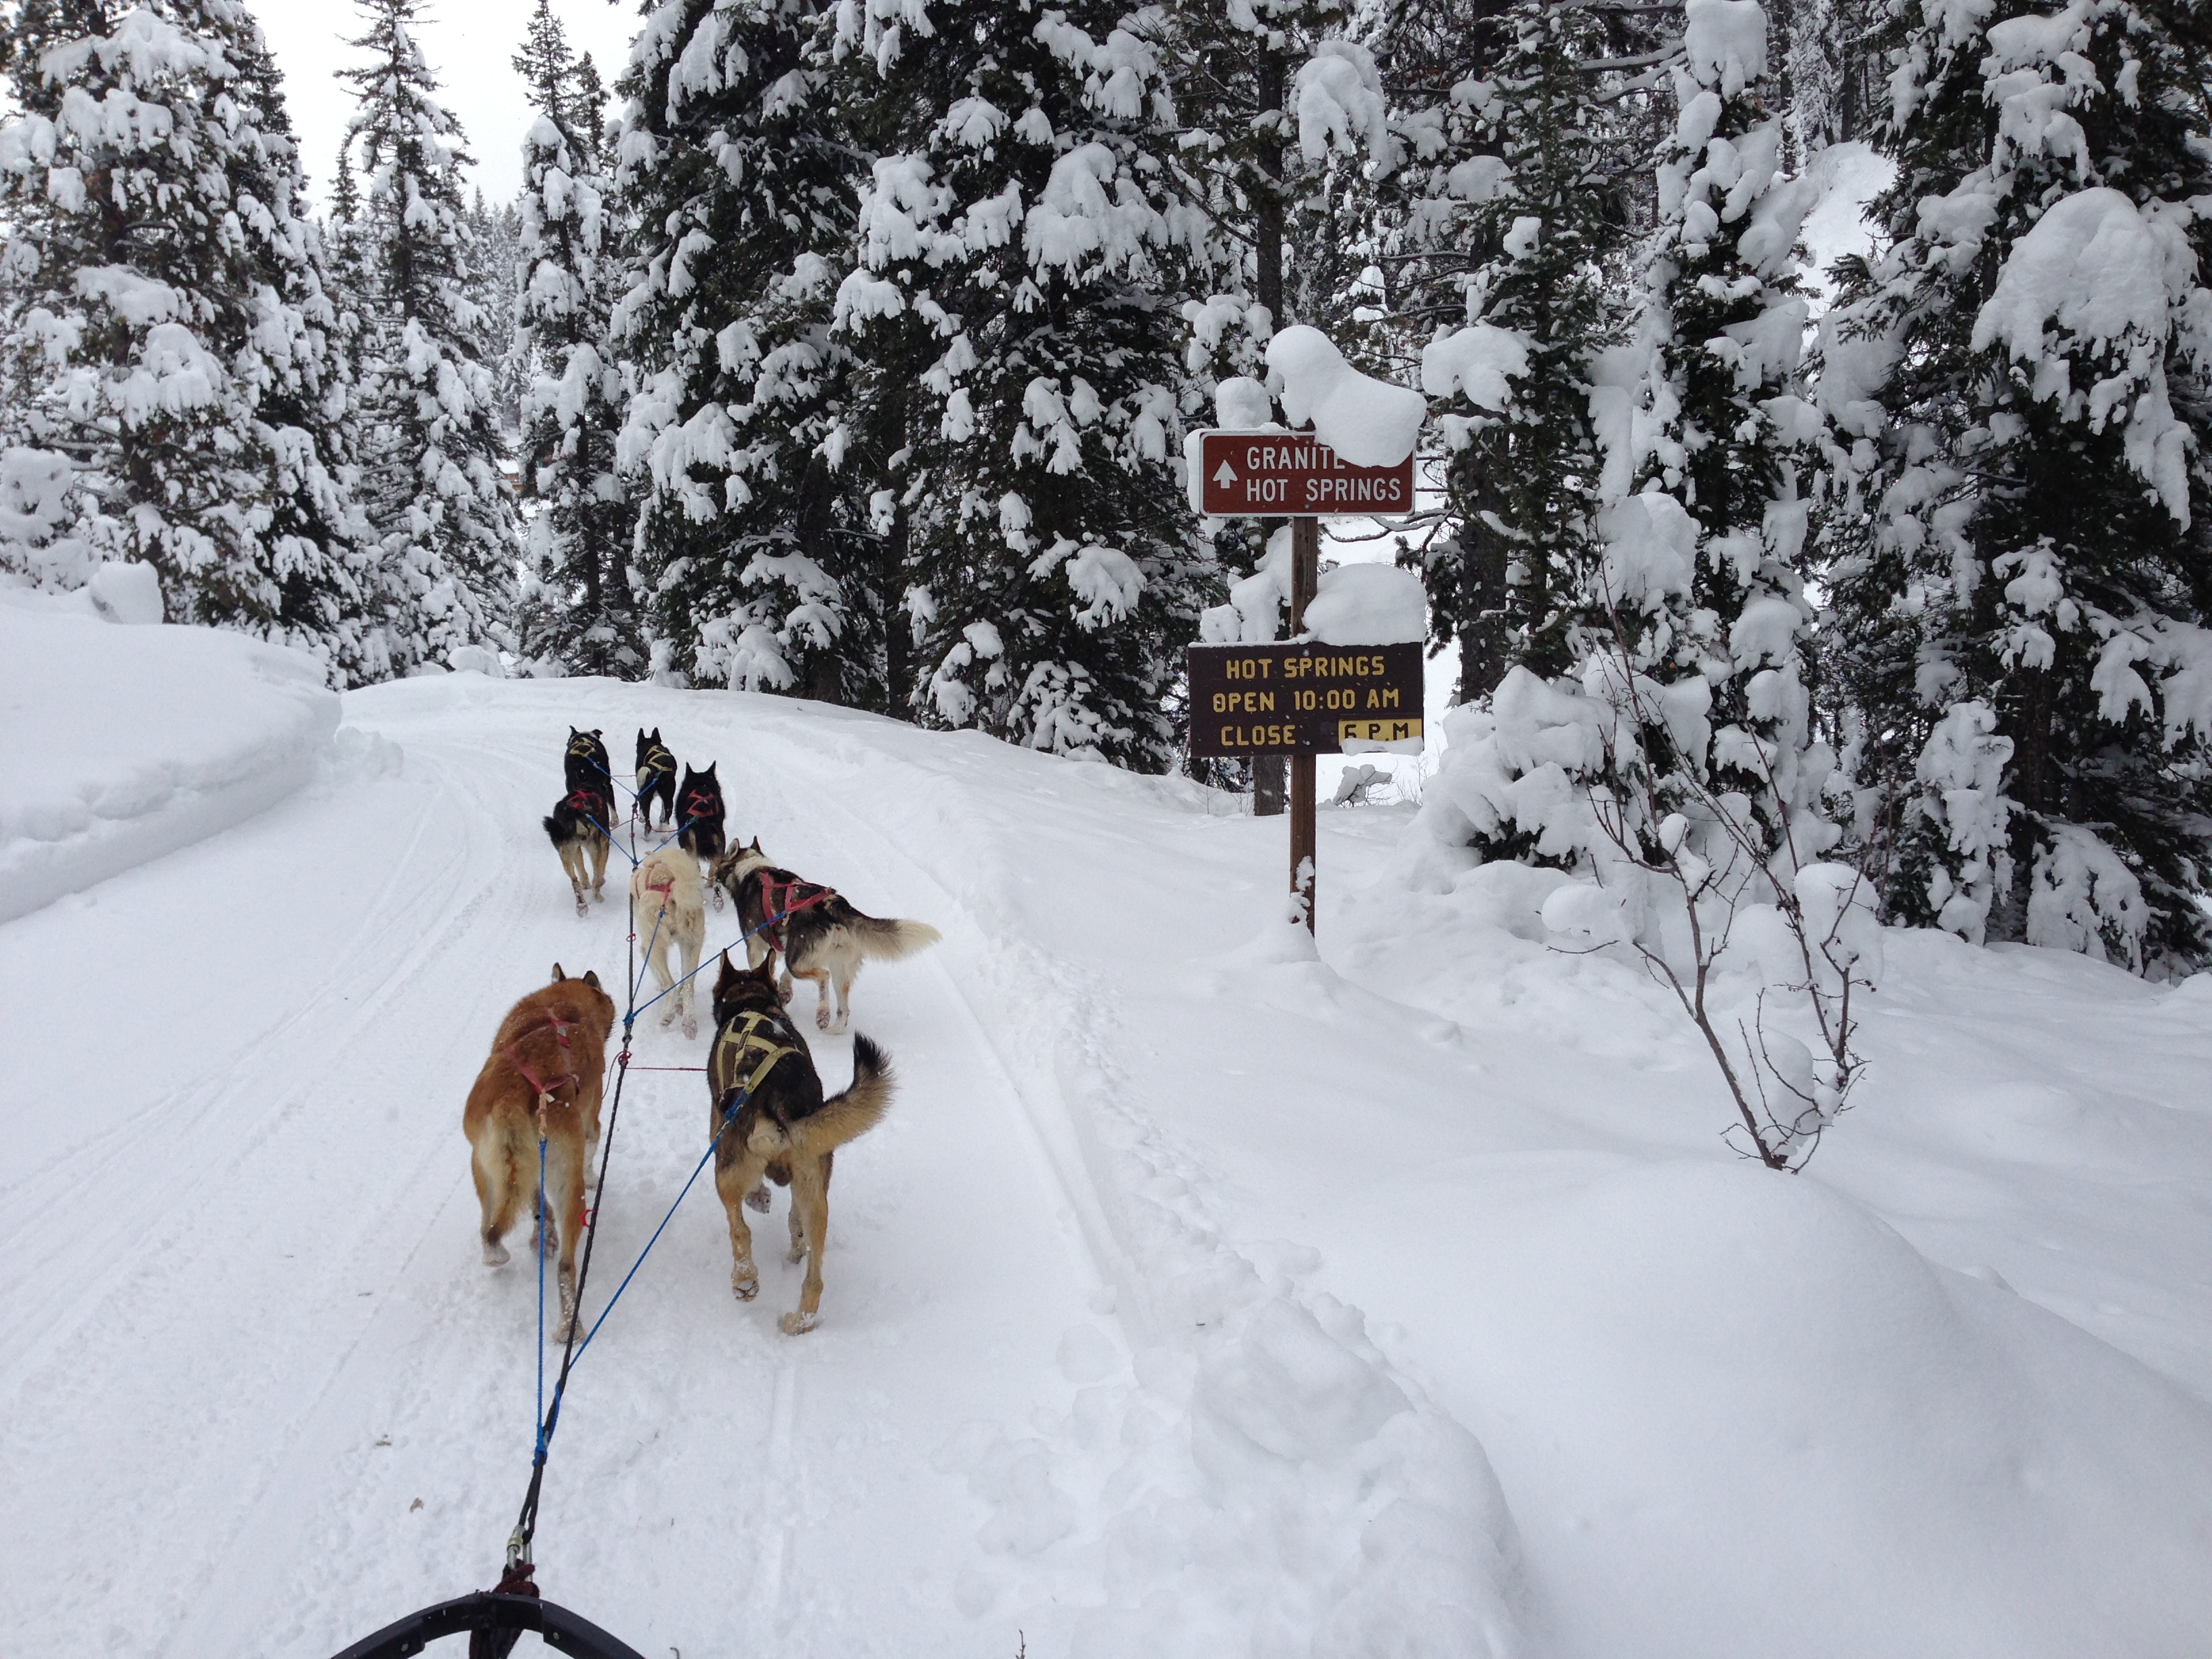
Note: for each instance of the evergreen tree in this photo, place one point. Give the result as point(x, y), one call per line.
point(187, 378)
point(571, 407)
point(1018, 275)
point(767, 567)
point(431, 443)
point(2021, 580)
point(1699, 594)
point(1509, 218)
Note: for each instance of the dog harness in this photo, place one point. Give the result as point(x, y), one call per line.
point(559, 1027)
point(658, 761)
point(583, 799)
point(741, 1039)
point(779, 903)
point(584, 745)
point(697, 805)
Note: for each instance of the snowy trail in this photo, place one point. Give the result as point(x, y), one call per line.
point(254, 1291)
point(1094, 1374)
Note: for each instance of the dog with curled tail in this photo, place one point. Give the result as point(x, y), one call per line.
point(769, 1118)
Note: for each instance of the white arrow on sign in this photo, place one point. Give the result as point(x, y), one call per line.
point(1226, 475)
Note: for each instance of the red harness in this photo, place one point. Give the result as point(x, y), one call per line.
point(696, 805)
point(559, 1027)
point(780, 910)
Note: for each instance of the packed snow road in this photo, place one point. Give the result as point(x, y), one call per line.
point(1093, 1374)
point(241, 1285)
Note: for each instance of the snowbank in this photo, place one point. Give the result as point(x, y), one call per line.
point(119, 744)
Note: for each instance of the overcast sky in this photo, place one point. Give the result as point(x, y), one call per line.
point(468, 44)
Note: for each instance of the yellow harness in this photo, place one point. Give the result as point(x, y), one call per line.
point(742, 1035)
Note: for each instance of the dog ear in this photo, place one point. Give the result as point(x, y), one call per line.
point(557, 974)
point(591, 978)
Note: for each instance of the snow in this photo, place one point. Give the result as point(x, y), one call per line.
point(2111, 277)
point(1367, 422)
point(1204, 1293)
point(121, 744)
point(1368, 605)
point(1724, 42)
point(1481, 359)
point(1848, 177)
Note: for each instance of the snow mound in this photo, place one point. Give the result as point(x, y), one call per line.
point(1368, 421)
point(120, 746)
point(1480, 359)
point(1761, 1352)
point(1368, 605)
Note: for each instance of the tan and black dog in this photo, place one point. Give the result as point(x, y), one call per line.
point(821, 937)
point(770, 1118)
point(541, 1079)
point(656, 779)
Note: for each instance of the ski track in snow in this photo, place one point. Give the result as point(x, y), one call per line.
point(1083, 1379)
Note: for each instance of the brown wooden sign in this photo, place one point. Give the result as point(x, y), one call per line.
point(1288, 475)
point(1302, 698)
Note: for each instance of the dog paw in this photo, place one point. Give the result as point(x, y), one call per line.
point(797, 1253)
point(496, 1256)
point(837, 1026)
point(746, 1285)
point(798, 1324)
point(821, 1019)
point(668, 1019)
point(758, 1198)
point(582, 909)
point(690, 1029)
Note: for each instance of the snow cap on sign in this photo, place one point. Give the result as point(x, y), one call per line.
point(1368, 605)
point(1369, 422)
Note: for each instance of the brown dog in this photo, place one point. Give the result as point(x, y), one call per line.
point(769, 1118)
point(541, 1081)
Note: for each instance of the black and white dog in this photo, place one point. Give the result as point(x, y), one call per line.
point(656, 778)
point(577, 827)
point(701, 810)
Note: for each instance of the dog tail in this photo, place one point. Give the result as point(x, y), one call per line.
point(892, 941)
point(850, 1115)
point(555, 834)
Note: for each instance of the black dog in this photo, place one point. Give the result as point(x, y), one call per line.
point(584, 765)
point(769, 1118)
point(700, 811)
point(656, 778)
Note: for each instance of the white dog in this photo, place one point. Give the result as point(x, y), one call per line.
point(667, 908)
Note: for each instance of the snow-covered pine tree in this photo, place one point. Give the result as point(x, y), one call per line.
point(572, 403)
point(1507, 216)
point(431, 446)
point(763, 566)
point(187, 377)
point(1018, 216)
point(1700, 589)
point(2022, 601)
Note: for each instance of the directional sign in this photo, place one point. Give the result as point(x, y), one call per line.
point(1304, 698)
point(1289, 475)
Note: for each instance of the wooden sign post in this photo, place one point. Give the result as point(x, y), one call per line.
point(1300, 699)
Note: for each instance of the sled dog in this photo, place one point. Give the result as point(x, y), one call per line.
point(764, 1089)
point(820, 936)
point(577, 829)
point(541, 1079)
point(656, 779)
point(584, 763)
point(668, 914)
point(700, 811)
